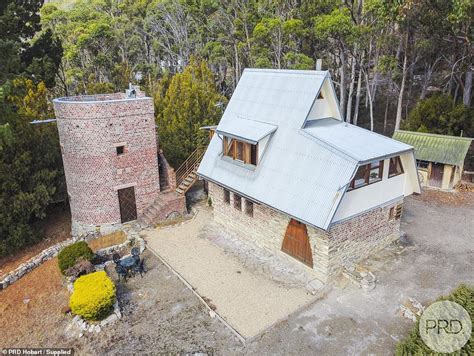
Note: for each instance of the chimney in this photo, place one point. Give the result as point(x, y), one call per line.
point(319, 64)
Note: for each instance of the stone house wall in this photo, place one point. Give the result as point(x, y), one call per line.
point(90, 128)
point(348, 241)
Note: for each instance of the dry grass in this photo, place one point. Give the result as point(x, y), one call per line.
point(56, 228)
point(115, 238)
point(32, 301)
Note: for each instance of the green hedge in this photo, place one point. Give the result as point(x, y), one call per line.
point(71, 254)
point(414, 345)
point(93, 297)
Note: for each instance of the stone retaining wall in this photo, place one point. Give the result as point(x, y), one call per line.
point(349, 241)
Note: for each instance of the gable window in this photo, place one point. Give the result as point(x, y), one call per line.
point(249, 208)
point(395, 167)
point(120, 150)
point(226, 196)
point(237, 201)
point(240, 151)
point(367, 174)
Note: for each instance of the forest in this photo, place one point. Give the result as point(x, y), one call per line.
point(400, 64)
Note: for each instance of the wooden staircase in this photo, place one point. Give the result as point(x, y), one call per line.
point(186, 174)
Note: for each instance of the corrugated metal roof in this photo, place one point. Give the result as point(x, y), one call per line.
point(436, 148)
point(299, 174)
point(249, 130)
point(358, 143)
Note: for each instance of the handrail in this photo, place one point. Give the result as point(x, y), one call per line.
point(189, 165)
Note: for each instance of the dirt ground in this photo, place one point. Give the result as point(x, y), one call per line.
point(162, 315)
point(56, 227)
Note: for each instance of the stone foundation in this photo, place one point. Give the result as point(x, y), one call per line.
point(348, 241)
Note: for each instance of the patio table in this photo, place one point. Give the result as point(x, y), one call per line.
point(128, 262)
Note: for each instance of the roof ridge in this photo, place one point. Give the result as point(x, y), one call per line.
point(448, 137)
point(288, 71)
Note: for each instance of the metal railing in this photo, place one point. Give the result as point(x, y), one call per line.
point(189, 166)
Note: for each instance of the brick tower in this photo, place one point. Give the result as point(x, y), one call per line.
point(109, 150)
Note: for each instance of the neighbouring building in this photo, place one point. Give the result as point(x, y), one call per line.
point(285, 172)
point(440, 158)
point(114, 170)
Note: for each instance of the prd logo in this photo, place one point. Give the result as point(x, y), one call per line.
point(445, 326)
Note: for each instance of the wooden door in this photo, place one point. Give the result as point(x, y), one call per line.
point(128, 206)
point(436, 175)
point(296, 242)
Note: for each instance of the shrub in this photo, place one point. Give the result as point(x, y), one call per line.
point(414, 345)
point(71, 254)
point(93, 297)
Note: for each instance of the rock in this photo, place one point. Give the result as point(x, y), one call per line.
point(80, 268)
point(118, 313)
point(314, 286)
point(91, 328)
point(65, 309)
point(212, 314)
point(97, 328)
point(81, 335)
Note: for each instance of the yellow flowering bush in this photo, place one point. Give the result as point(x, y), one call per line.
point(93, 297)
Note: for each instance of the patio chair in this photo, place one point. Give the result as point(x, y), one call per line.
point(116, 258)
point(140, 267)
point(121, 272)
point(135, 251)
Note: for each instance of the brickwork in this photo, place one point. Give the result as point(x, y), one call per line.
point(168, 172)
point(348, 241)
point(90, 130)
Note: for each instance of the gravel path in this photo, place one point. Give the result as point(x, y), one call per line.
point(250, 302)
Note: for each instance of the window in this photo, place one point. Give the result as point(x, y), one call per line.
point(237, 201)
point(226, 196)
point(367, 174)
point(396, 212)
point(240, 151)
point(249, 208)
point(376, 170)
point(423, 164)
point(395, 167)
point(120, 150)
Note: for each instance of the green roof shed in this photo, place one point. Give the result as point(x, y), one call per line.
point(436, 148)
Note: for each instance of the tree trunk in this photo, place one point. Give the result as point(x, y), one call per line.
point(351, 90)
point(467, 94)
point(387, 104)
point(369, 95)
point(398, 118)
point(342, 103)
point(359, 88)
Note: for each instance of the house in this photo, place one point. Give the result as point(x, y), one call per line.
point(285, 172)
point(440, 158)
point(115, 172)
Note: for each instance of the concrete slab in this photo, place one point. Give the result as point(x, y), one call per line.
point(248, 301)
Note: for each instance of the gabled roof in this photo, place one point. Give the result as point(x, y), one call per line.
point(301, 173)
point(436, 148)
point(248, 130)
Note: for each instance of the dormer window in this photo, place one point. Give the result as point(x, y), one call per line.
point(240, 151)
